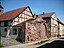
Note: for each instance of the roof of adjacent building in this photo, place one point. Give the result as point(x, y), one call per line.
point(10, 15)
point(59, 21)
point(46, 14)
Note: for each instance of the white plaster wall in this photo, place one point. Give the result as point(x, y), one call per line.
point(16, 19)
point(61, 29)
point(54, 24)
point(55, 19)
point(23, 16)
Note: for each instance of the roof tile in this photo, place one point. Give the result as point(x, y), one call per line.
point(11, 14)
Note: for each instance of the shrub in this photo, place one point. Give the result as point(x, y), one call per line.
point(1, 45)
point(43, 41)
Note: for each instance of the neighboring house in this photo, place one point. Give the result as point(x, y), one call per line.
point(52, 24)
point(20, 24)
point(60, 27)
point(12, 18)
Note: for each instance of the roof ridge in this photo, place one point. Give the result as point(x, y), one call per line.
point(46, 13)
point(12, 14)
point(16, 9)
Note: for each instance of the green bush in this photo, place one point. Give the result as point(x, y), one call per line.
point(43, 41)
point(1, 45)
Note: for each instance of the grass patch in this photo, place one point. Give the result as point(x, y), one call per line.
point(42, 41)
point(1, 46)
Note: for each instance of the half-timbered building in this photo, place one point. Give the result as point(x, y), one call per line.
point(12, 18)
point(60, 27)
point(52, 24)
point(20, 25)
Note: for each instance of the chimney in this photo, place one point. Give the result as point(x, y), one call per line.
point(43, 13)
point(34, 15)
point(1, 9)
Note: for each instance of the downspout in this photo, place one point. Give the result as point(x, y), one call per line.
point(58, 30)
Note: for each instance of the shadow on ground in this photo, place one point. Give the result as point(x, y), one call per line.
point(61, 38)
point(54, 44)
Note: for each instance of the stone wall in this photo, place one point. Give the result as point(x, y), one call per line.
point(35, 31)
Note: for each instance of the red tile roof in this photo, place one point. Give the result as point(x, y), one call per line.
point(11, 14)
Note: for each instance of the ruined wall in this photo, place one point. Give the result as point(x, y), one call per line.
point(35, 31)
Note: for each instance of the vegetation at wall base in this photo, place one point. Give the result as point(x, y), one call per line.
point(1, 45)
point(42, 41)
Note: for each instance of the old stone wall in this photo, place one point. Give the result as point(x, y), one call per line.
point(35, 31)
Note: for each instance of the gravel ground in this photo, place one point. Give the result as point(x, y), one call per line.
point(31, 45)
point(8, 41)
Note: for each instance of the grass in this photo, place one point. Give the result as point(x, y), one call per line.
point(42, 41)
point(1, 46)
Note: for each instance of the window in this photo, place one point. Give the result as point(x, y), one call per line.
point(0, 30)
point(0, 23)
point(9, 23)
point(15, 32)
point(5, 29)
point(6, 23)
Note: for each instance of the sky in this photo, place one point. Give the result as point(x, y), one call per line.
point(36, 6)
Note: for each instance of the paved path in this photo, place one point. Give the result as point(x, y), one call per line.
point(30, 45)
point(57, 43)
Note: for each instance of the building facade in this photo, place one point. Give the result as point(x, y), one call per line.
point(12, 18)
point(52, 24)
point(20, 25)
point(60, 27)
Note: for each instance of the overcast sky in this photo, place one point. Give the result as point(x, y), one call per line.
point(37, 6)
